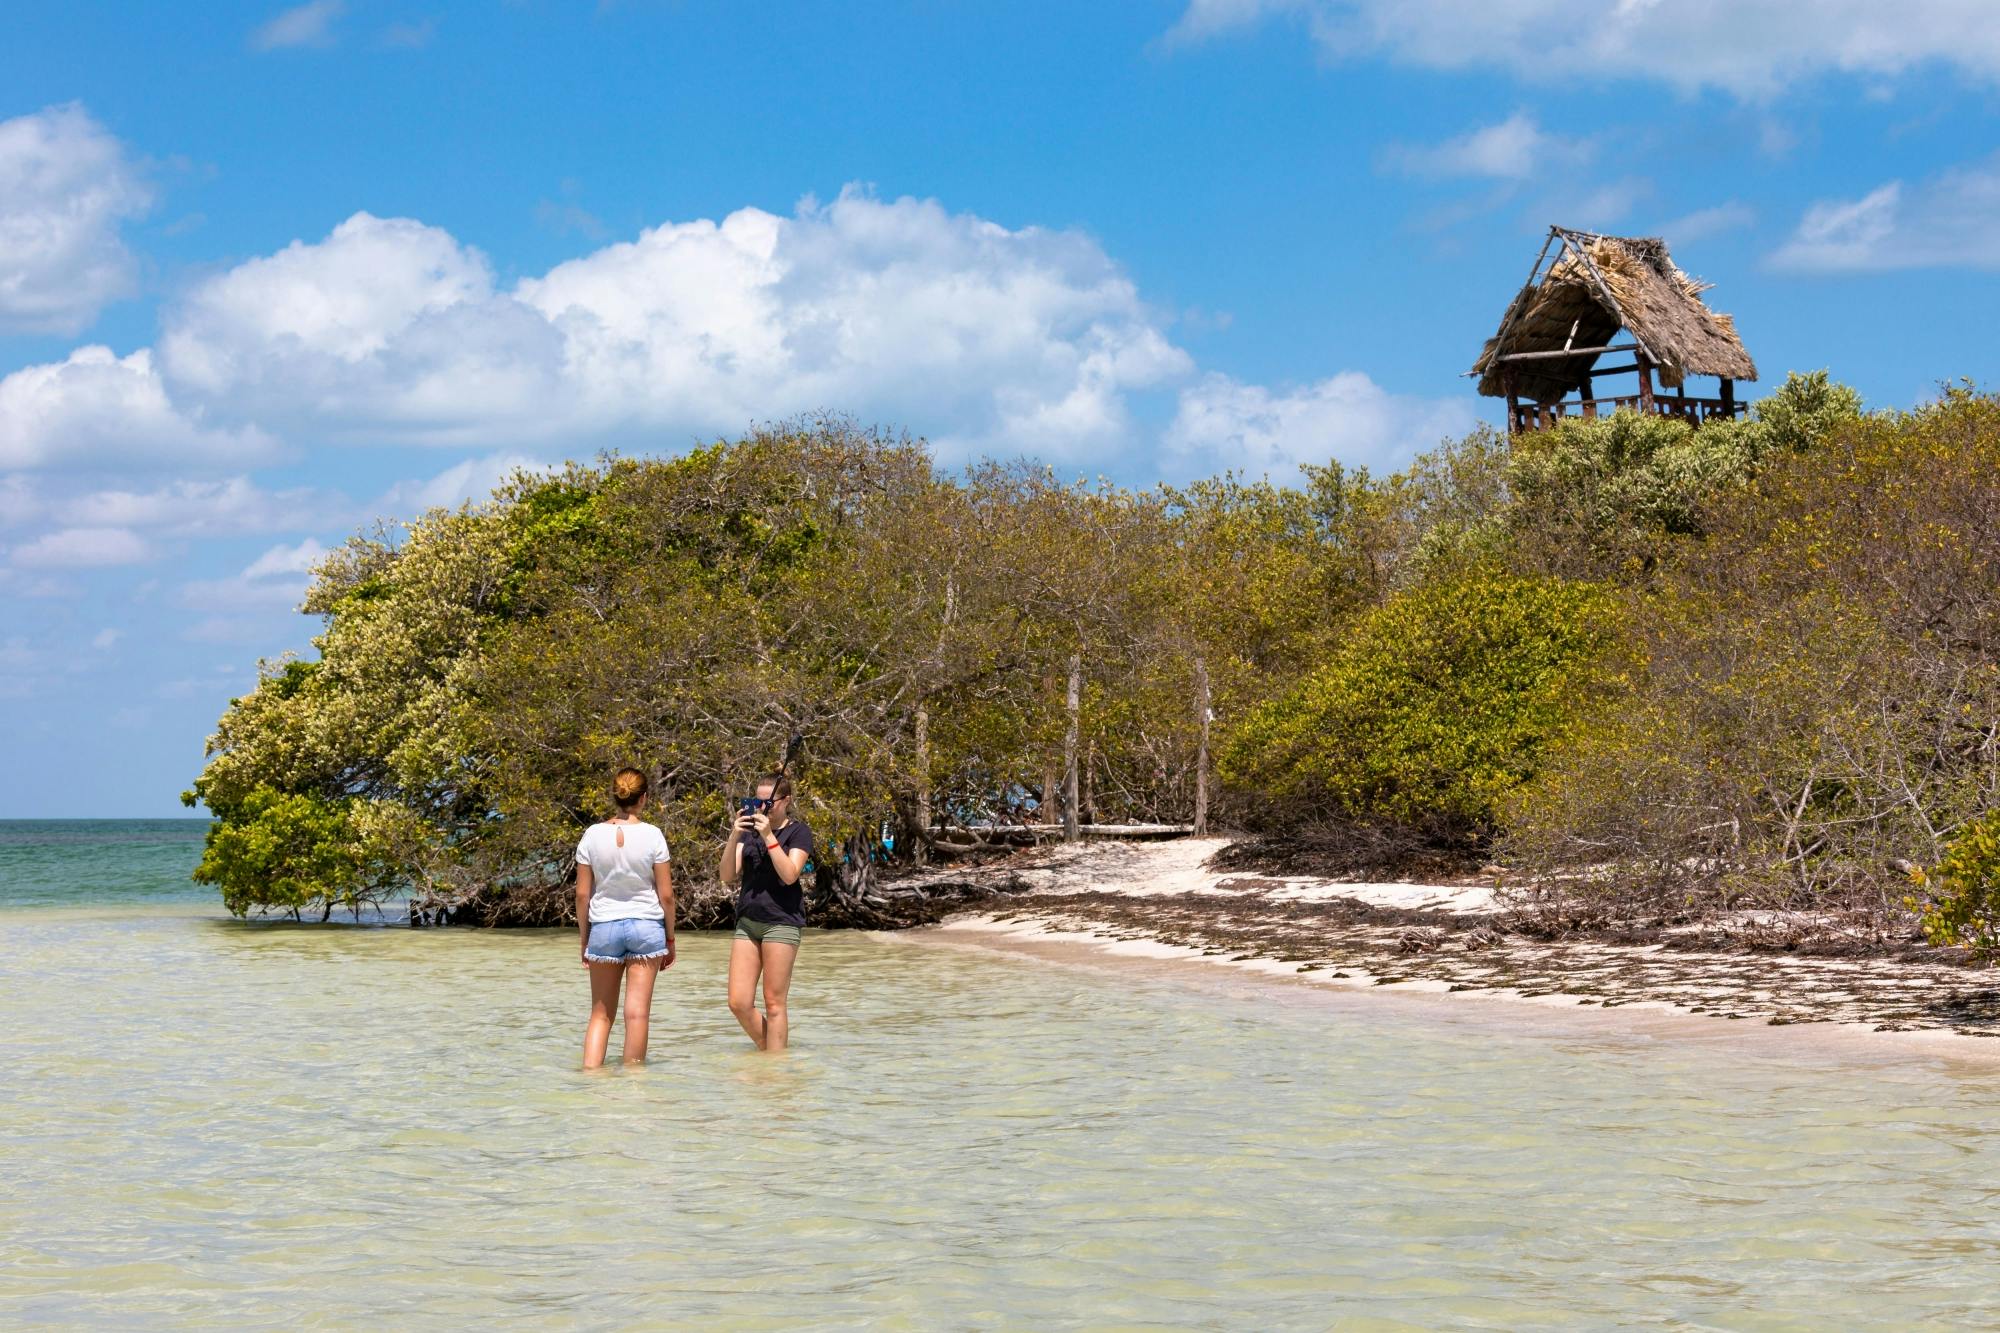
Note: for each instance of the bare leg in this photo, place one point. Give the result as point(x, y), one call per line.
point(639, 979)
point(743, 966)
point(603, 1004)
point(778, 960)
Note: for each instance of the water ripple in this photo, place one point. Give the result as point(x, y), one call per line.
point(262, 1126)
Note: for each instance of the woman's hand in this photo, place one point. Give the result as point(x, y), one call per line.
point(583, 956)
point(762, 822)
point(672, 949)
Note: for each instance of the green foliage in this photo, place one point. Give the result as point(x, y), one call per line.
point(1818, 681)
point(1806, 411)
point(556, 527)
point(743, 603)
point(291, 678)
point(1433, 708)
point(377, 727)
point(286, 851)
point(1448, 508)
point(1601, 496)
point(1609, 497)
point(1963, 892)
point(1756, 657)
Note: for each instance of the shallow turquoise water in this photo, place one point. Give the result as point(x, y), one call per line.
point(67, 862)
point(206, 1122)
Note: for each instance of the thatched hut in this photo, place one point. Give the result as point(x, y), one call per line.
point(1584, 289)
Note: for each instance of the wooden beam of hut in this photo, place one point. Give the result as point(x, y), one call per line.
point(1514, 311)
point(1569, 351)
point(1588, 292)
point(1611, 302)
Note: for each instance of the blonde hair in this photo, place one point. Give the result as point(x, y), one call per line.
point(628, 788)
point(779, 783)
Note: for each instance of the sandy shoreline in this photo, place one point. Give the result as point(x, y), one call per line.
point(1159, 904)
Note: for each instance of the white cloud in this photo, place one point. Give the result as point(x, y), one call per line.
point(65, 185)
point(96, 408)
point(18, 501)
point(83, 548)
point(984, 337)
point(23, 667)
point(1593, 206)
point(241, 594)
point(1204, 19)
point(1949, 221)
point(473, 480)
point(17, 584)
point(213, 630)
point(310, 24)
point(386, 327)
point(345, 298)
point(1514, 149)
point(275, 580)
point(565, 218)
point(228, 507)
point(104, 638)
point(1752, 48)
point(1706, 222)
point(260, 630)
point(1519, 162)
point(1775, 139)
point(282, 560)
point(1224, 423)
point(1850, 234)
point(410, 36)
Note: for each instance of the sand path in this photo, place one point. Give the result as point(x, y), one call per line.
point(1161, 899)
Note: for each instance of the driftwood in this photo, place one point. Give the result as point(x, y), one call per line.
point(1008, 837)
point(859, 893)
point(833, 902)
point(853, 890)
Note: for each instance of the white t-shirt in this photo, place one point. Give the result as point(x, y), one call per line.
point(621, 885)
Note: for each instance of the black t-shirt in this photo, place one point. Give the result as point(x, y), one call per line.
point(764, 896)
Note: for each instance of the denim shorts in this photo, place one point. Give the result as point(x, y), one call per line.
point(626, 941)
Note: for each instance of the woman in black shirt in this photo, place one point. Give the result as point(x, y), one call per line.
point(766, 854)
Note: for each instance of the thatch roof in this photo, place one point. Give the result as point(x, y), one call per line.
point(1597, 285)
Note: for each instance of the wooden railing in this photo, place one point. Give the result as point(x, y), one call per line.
point(1540, 416)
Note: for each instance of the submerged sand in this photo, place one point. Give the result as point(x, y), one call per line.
point(1162, 899)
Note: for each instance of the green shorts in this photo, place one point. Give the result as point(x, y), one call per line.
point(766, 932)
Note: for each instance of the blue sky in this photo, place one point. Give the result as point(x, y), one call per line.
point(268, 274)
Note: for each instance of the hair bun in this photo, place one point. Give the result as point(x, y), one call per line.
point(628, 786)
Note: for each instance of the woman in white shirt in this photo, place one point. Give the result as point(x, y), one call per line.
point(625, 916)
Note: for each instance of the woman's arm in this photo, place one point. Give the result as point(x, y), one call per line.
point(663, 888)
point(787, 864)
point(731, 869)
point(583, 911)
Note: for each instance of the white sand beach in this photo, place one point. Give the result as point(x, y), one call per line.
point(1161, 901)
